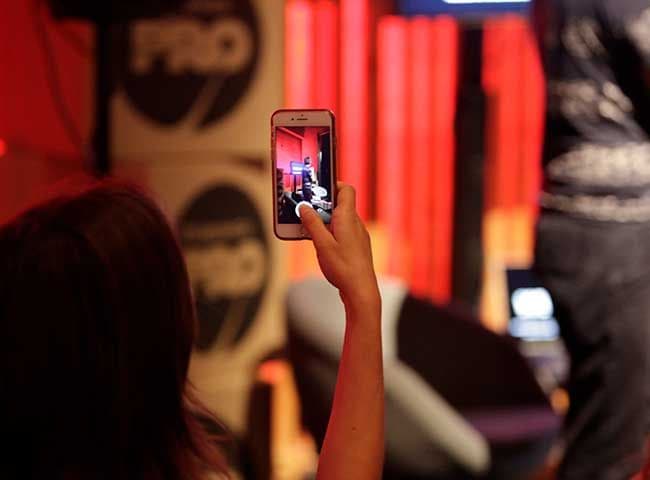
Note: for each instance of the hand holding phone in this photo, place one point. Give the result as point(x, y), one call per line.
point(344, 251)
point(304, 169)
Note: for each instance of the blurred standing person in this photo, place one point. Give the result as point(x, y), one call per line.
point(593, 237)
point(308, 180)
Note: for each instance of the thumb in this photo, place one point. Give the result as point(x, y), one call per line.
point(315, 227)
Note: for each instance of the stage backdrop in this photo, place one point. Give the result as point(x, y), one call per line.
point(191, 104)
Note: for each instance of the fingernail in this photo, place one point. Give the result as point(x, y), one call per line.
point(300, 208)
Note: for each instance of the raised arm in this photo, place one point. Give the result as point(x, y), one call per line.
point(354, 442)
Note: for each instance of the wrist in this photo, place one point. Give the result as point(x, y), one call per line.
point(364, 303)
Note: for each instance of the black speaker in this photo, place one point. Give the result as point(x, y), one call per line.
point(470, 172)
point(112, 11)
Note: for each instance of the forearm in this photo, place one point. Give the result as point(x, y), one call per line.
point(354, 443)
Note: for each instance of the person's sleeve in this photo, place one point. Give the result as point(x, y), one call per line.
point(630, 20)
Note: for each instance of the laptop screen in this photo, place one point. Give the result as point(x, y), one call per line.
point(532, 313)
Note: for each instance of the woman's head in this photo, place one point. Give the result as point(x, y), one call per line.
point(98, 324)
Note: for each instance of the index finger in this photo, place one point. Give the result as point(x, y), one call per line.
point(346, 197)
point(317, 230)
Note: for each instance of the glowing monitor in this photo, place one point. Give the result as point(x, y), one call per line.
point(532, 313)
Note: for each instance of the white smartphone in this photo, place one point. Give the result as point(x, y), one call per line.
point(303, 149)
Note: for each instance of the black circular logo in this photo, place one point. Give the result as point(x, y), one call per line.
point(190, 68)
point(227, 254)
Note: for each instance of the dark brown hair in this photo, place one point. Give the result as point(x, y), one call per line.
point(97, 325)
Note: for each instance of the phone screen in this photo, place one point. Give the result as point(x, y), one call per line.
point(303, 165)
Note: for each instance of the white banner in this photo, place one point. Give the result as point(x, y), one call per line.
point(190, 121)
point(206, 79)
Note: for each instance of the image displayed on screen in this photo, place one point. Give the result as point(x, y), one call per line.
point(532, 313)
point(303, 172)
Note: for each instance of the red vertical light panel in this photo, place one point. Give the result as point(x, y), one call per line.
point(444, 34)
point(533, 98)
point(491, 49)
point(354, 118)
point(393, 169)
point(421, 156)
point(491, 76)
point(505, 131)
point(299, 65)
point(326, 76)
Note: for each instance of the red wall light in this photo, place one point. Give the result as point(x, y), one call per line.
point(394, 171)
point(355, 99)
point(420, 152)
point(299, 54)
point(444, 40)
point(326, 80)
